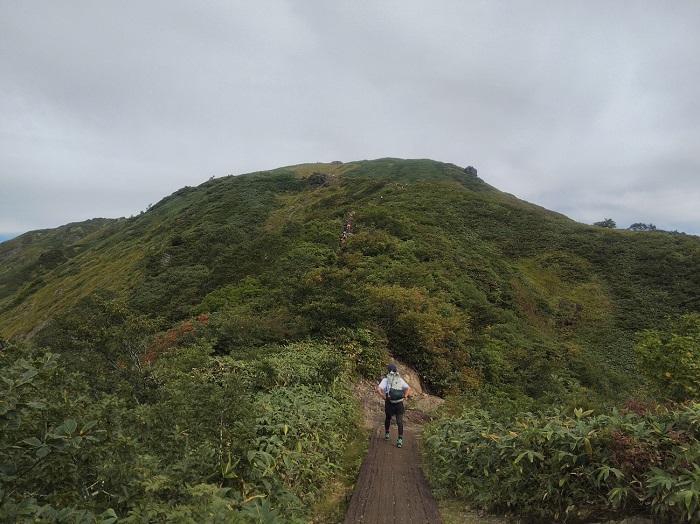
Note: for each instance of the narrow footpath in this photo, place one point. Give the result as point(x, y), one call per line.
point(391, 487)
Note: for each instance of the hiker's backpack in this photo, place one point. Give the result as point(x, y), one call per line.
point(394, 390)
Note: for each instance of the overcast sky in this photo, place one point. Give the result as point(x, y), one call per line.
point(588, 108)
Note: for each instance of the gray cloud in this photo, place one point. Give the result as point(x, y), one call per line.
point(588, 108)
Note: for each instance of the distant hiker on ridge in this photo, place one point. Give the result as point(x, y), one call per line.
point(394, 389)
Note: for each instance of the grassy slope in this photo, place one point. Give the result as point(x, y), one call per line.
point(442, 243)
point(27, 261)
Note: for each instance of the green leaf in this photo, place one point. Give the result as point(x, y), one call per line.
point(27, 376)
point(687, 496)
point(108, 517)
point(88, 426)
point(33, 441)
point(587, 446)
point(618, 474)
point(520, 457)
point(69, 426)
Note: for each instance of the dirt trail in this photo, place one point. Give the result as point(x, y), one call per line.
point(391, 487)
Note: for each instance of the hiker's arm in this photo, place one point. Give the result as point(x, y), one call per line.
point(380, 392)
point(408, 392)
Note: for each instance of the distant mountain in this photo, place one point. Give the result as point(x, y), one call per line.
point(469, 284)
point(7, 236)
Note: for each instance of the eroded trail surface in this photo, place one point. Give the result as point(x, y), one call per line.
point(391, 487)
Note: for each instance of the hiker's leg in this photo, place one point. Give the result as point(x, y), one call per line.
point(387, 418)
point(399, 419)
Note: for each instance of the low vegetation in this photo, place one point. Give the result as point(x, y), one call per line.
point(190, 437)
point(572, 468)
point(584, 465)
point(192, 363)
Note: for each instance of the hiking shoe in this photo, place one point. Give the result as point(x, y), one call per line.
point(386, 436)
point(399, 442)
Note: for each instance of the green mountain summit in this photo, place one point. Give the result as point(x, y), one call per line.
point(469, 284)
point(208, 359)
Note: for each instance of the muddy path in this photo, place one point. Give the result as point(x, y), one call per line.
point(391, 487)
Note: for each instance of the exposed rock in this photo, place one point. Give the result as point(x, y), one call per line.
point(410, 376)
point(470, 170)
point(421, 404)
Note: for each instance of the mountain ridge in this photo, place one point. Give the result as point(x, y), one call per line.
point(465, 262)
point(242, 314)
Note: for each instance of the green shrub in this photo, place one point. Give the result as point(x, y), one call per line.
point(572, 468)
point(218, 439)
point(43, 474)
point(365, 350)
point(301, 434)
point(671, 359)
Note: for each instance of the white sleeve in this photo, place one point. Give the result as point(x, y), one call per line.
point(404, 384)
point(382, 384)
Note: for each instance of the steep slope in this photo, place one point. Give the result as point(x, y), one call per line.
point(28, 258)
point(468, 284)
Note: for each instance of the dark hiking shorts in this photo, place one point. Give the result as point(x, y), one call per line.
point(394, 409)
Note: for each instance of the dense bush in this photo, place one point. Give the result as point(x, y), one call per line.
point(43, 474)
point(554, 467)
point(671, 358)
point(218, 439)
point(300, 437)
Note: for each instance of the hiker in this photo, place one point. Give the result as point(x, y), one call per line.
point(394, 390)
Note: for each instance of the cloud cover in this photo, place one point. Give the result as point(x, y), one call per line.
point(587, 108)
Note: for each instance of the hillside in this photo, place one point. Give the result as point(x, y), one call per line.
point(26, 259)
point(468, 284)
point(207, 360)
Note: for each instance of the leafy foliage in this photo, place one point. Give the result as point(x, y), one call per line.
point(671, 358)
point(554, 467)
point(217, 439)
point(36, 445)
